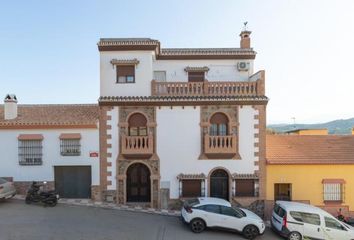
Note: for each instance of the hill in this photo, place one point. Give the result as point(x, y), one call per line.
point(340, 126)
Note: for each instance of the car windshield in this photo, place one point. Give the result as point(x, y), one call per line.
point(191, 202)
point(239, 212)
point(2, 181)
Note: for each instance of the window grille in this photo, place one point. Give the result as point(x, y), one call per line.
point(332, 192)
point(70, 147)
point(30, 152)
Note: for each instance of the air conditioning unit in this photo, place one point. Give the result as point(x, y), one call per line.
point(243, 66)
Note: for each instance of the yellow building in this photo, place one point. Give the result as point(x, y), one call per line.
point(315, 169)
point(322, 131)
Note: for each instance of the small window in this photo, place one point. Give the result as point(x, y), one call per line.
point(30, 152)
point(332, 191)
point(228, 211)
point(332, 223)
point(191, 188)
point(279, 211)
point(196, 76)
point(245, 188)
point(296, 216)
point(311, 218)
point(160, 76)
point(212, 208)
point(70, 147)
point(125, 74)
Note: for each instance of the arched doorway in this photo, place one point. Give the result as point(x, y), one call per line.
point(219, 184)
point(138, 183)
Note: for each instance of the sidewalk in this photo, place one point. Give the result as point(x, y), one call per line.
point(90, 203)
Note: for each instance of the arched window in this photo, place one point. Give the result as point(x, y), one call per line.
point(219, 125)
point(137, 125)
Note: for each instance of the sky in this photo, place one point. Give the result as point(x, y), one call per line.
point(48, 51)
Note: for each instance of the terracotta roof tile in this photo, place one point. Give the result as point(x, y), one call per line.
point(297, 149)
point(63, 115)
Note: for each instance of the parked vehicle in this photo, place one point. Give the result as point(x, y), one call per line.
point(298, 221)
point(35, 194)
point(7, 189)
point(200, 213)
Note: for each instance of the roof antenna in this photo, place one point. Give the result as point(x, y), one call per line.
point(245, 26)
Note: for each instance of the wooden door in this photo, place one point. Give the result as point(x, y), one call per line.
point(138, 183)
point(219, 184)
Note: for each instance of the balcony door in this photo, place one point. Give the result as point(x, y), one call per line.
point(219, 125)
point(137, 125)
point(196, 76)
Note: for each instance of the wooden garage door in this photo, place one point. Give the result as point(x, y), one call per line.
point(73, 181)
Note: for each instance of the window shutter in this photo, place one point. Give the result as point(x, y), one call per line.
point(196, 76)
point(191, 188)
point(245, 187)
point(125, 71)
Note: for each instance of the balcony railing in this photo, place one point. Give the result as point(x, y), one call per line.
point(253, 87)
point(137, 144)
point(220, 144)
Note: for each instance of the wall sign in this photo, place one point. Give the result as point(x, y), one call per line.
point(93, 154)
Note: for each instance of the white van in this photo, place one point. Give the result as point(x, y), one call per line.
point(298, 221)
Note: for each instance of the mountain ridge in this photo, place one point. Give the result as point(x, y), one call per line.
point(338, 126)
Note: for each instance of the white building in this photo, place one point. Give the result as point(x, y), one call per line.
point(180, 123)
point(54, 143)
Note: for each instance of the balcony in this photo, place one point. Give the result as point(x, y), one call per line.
point(137, 145)
point(220, 144)
point(253, 87)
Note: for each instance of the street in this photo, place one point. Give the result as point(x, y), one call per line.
point(19, 221)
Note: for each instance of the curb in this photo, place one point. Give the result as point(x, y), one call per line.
point(90, 203)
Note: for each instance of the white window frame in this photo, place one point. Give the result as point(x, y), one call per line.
point(30, 152)
point(70, 147)
point(333, 192)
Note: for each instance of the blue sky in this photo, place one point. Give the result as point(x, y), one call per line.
point(49, 53)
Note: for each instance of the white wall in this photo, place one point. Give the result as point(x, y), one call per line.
point(143, 74)
point(179, 141)
point(9, 160)
point(219, 70)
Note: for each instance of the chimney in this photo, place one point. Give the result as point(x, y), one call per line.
point(245, 39)
point(10, 106)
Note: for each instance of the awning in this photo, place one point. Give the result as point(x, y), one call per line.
point(123, 62)
point(196, 69)
point(70, 136)
point(30, 137)
point(245, 176)
point(191, 176)
point(333, 181)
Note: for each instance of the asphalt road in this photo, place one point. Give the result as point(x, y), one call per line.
point(19, 221)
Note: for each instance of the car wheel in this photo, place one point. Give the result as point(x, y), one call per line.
point(197, 225)
point(250, 232)
point(294, 236)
